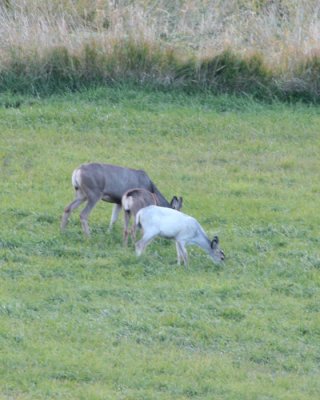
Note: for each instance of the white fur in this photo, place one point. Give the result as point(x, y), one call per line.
point(76, 178)
point(127, 202)
point(185, 230)
point(134, 200)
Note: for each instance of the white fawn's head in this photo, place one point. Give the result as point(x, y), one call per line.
point(216, 252)
point(176, 203)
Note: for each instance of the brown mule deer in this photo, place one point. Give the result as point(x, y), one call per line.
point(93, 182)
point(135, 199)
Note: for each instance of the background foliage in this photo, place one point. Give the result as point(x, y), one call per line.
point(265, 48)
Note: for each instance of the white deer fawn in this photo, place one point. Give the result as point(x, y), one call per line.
point(171, 224)
point(136, 199)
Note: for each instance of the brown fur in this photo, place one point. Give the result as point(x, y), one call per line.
point(135, 199)
point(94, 182)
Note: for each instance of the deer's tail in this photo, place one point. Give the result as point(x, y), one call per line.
point(76, 178)
point(127, 202)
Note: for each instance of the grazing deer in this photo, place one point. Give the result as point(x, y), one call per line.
point(171, 224)
point(93, 182)
point(135, 199)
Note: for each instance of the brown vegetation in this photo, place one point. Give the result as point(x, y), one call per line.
point(260, 47)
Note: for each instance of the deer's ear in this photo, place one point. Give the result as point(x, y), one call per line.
point(173, 201)
point(215, 242)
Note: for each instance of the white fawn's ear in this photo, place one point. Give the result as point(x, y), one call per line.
point(215, 242)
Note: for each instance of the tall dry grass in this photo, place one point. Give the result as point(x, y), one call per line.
point(267, 46)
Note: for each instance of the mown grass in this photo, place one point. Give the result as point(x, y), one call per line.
point(86, 319)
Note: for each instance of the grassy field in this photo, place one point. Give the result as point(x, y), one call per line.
point(86, 319)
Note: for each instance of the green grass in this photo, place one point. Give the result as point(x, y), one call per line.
point(86, 319)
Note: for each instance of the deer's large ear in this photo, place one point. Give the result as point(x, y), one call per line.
point(215, 242)
point(174, 201)
point(180, 201)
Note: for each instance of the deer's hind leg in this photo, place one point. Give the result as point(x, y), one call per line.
point(68, 210)
point(127, 216)
point(92, 201)
point(134, 228)
point(143, 243)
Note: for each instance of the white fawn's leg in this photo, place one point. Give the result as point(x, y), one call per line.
point(182, 253)
point(178, 253)
point(143, 243)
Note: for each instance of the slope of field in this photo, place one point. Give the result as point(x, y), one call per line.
point(86, 319)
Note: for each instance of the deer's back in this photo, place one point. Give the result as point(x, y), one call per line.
point(112, 181)
point(168, 222)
